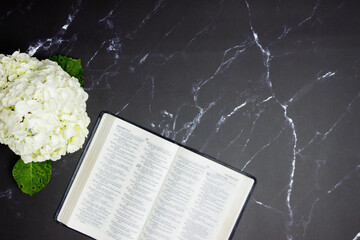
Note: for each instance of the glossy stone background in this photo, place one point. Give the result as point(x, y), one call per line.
point(270, 87)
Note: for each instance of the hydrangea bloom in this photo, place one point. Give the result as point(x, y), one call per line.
point(42, 108)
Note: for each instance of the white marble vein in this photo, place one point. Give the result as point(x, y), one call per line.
point(292, 171)
point(268, 207)
point(107, 20)
point(131, 99)
point(7, 194)
point(223, 118)
point(158, 5)
point(143, 59)
point(308, 87)
point(265, 52)
point(115, 45)
point(168, 128)
point(267, 60)
point(103, 78)
point(311, 16)
point(189, 127)
point(257, 116)
point(165, 113)
point(285, 32)
point(325, 134)
point(357, 236)
point(321, 78)
point(344, 179)
point(205, 29)
point(288, 29)
point(263, 148)
point(95, 54)
point(152, 91)
point(55, 41)
point(305, 222)
point(347, 110)
point(224, 65)
point(20, 8)
point(230, 144)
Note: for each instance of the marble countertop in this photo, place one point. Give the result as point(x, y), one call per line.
point(269, 87)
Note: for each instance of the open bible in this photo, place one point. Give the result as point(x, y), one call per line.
point(131, 183)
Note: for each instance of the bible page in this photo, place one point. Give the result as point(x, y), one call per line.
point(123, 184)
point(200, 199)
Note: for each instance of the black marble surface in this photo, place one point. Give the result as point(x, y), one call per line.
point(270, 87)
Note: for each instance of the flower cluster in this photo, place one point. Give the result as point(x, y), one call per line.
point(42, 108)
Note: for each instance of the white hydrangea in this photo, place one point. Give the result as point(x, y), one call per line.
point(42, 108)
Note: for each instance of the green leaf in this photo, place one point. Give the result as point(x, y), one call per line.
point(32, 177)
point(71, 65)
